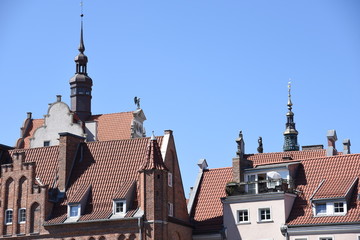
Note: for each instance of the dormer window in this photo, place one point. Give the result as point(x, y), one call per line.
point(74, 211)
point(330, 208)
point(119, 207)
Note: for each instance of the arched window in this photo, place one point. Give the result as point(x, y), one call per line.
point(35, 219)
point(8, 216)
point(132, 237)
point(102, 238)
point(121, 237)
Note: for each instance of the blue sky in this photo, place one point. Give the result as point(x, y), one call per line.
point(204, 69)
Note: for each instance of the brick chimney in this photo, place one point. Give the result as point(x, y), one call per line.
point(346, 144)
point(68, 147)
point(239, 163)
point(332, 138)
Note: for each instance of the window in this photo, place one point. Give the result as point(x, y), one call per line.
point(321, 209)
point(252, 184)
point(339, 207)
point(22, 215)
point(74, 211)
point(46, 143)
point(264, 214)
point(170, 179)
point(325, 238)
point(243, 216)
point(171, 209)
point(8, 216)
point(119, 207)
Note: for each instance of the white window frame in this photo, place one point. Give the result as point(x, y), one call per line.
point(115, 202)
point(238, 216)
point(301, 238)
point(19, 215)
point(6, 216)
point(170, 209)
point(330, 209)
point(170, 179)
point(326, 237)
point(259, 215)
point(78, 210)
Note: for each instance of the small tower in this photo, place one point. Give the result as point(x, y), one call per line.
point(81, 83)
point(290, 134)
point(154, 189)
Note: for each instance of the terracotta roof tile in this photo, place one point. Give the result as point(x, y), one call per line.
point(113, 126)
point(276, 157)
point(339, 173)
point(46, 161)
point(154, 159)
point(208, 211)
point(123, 189)
point(104, 166)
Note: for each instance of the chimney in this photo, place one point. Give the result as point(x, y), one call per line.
point(239, 163)
point(28, 115)
point(58, 98)
point(346, 144)
point(68, 147)
point(332, 138)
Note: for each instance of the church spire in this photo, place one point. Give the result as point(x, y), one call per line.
point(290, 134)
point(81, 83)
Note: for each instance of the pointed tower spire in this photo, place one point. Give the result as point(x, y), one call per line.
point(154, 159)
point(81, 83)
point(290, 134)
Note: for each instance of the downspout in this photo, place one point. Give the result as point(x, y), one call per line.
point(284, 231)
point(139, 225)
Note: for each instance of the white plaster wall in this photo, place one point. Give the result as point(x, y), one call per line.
point(59, 119)
point(255, 230)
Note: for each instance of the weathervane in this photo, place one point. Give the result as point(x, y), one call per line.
point(137, 102)
point(81, 6)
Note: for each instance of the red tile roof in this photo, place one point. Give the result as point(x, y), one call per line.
point(113, 126)
point(207, 213)
point(338, 173)
point(154, 159)
point(107, 166)
point(276, 157)
point(46, 159)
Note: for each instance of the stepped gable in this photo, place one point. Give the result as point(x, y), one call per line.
point(46, 159)
point(36, 123)
point(207, 215)
point(106, 166)
point(337, 174)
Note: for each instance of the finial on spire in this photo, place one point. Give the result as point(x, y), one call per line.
point(137, 102)
point(153, 136)
point(81, 46)
point(289, 95)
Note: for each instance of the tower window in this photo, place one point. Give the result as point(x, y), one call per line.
point(170, 209)
point(8, 216)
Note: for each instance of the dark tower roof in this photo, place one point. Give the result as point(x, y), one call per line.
point(81, 83)
point(290, 133)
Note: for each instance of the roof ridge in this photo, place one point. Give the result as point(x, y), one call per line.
point(101, 114)
point(122, 140)
point(287, 152)
point(324, 157)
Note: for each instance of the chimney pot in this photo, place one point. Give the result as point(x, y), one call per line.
point(346, 144)
point(29, 115)
point(332, 138)
point(58, 98)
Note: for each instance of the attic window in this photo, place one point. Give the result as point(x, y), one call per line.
point(46, 143)
point(119, 207)
point(330, 208)
point(74, 211)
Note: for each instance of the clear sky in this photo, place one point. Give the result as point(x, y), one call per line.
point(202, 68)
